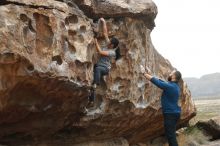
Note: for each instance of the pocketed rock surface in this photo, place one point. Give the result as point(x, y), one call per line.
point(46, 67)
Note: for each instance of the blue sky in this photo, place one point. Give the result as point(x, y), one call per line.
point(187, 33)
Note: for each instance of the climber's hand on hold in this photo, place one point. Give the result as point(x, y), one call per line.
point(145, 69)
point(102, 19)
point(105, 30)
point(142, 69)
point(98, 49)
point(148, 70)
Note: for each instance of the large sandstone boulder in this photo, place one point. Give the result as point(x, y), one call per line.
point(46, 66)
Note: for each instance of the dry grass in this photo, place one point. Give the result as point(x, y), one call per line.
point(194, 137)
point(206, 109)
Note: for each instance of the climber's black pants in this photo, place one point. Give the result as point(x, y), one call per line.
point(170, 121)
point(99, 72)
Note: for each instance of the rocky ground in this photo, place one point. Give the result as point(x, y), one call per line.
point(207, 123)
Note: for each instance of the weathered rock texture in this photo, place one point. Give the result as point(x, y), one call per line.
point(211, 127)
point(46, 65)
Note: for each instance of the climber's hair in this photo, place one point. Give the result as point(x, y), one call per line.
point(178, 76)
point(115, 42)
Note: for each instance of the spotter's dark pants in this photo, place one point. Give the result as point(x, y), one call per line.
point(170, 121)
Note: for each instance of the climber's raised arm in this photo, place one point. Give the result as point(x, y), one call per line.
point(148, 76)
point(146, 72)
point(156, 81)
point(99, 50)
point(105, 30)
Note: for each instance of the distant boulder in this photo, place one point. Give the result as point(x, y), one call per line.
point(211, 127)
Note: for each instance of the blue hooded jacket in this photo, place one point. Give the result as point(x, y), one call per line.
point(170, 96)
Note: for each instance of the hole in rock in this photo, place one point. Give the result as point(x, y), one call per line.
point(71, 19)
point(72, 33)
point(81, 38)
point(88, 65)
point(82, 28)
point(72, 48)
point(58, 59)
point(8, 57)
point(24, 17)
point(78, 63)
point(30, 67)
point(78, 78)
point(62, 25)
point(31, 27)
point(43, 31)
point(68, 46)
point(9, 54)
point(69, 3)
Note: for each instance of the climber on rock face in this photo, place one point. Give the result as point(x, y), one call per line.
point(103, 66)
point(169, 101)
